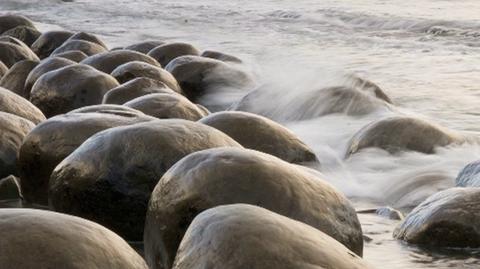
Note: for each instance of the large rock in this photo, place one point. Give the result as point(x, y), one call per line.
point(108, 61)
point(14, 129)
point(209, 178)
point(54, 240)
point(3, 69)
point(469, 176)
point(167, 106)
point(259, 133)
point(87, 47)
point(400, 133)
point(11, 53)
point(16, 76)
point(448, 218)
point(53, 140)
point(74, 55)
point(245, 236)
point(70, 87)
point(107, 108)
point(10, 21)
point(17, 105)
point(201, 76)
point(49, 41)
point(136, 69)
point(88, 37)
point(220, 56)
point(118, 169)
point(167, 52)
point(303, 104)
point(46, 65)
point(26, 34)
point(145, 46)
point(133, 89)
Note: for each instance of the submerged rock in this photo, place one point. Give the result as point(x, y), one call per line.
point(108, 61)
point(400, 133)
point(17, 105)
point(259, 133)
point(49, 41)
point(15, 78)
point(46, 65)
point(469, 176)
point(117, 169)
point(14, 129)
point(244, 236)
point(54, 240)
point(167, 52)
point(54, 139)
point(167, 106)
point(303, 104)
point(213, 177)
point(133, 89)
point(70, 87)
point(136, 69)
point(220, 56)
point(10, 188)
point(448, 218)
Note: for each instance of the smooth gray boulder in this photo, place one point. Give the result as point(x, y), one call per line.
point(54, 139)
point(118, 168)
point(108, 61)
point(245, 236)
point(74, 55)
point(15, 104)
point(262, 134)
point(46, 65)
point(220, 176)
point(54, 240)
point(136, 69)
point(26, 34)
point(167, 52)
point(469, 176)
point(87, 47)
point(11, 53)
point(15, 78)
point(145, 46)
point(70, 87)
point(401, 133)
point(449, 218)
point(88, 37)
point(49, 41)
point(220, 56)
point(10, 21)
point(14, 129)
point(133, 89)
point(167, 106)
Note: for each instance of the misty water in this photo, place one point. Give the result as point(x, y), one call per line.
point(424, 54)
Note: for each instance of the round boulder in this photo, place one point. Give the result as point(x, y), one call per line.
point(14, 129)
point(10, 21)
point(209, 178)
point(14, 104)
point(469, 176)
point(400, 133)
point(448, 218)
point(259, 133)
point(166, 106)
point(88, 37)
point(26, 34)
point(54, 240)
point(11, 53)
point(49, 41)
point(118, 169)
point(74, 55)
point(16, 76)
point(167, 52)
point(46, 65)
point(54, 139)
point(135, 69)
point(108, 61)
point(220, 56)
point(245, 236)
point(199, 76)
point(70, 87)
point(144, 47)
point(133, 89)
point(107, 108)
point(87, 47)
